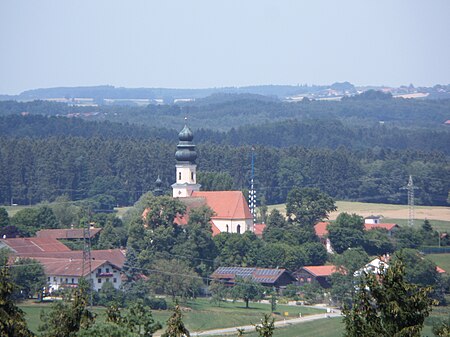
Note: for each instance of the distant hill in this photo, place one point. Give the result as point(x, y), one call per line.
point(168, 95)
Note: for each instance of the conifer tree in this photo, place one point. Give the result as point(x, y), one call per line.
point(175, 325)
point(386, 305)
point(267, 326)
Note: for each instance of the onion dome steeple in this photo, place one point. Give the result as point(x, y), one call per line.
point(186, 177)
point(185, 148)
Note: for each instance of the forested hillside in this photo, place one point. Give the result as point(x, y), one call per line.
point(34, 170)
point(223, 112)
point(339, 147)
point(309, 133)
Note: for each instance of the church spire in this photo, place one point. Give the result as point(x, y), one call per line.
point(186, 176)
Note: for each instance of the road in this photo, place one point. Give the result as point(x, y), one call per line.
point(278, 324)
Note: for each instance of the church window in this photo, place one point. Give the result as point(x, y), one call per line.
point(192, 175)
point(238, 229)
point(179, 175)
point(227, 228)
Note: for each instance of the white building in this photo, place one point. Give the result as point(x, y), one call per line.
point(65, 273)
point(231, 211)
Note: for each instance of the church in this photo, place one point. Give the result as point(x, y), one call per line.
point(231, 211)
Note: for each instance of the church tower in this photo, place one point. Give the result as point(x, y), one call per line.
point(186, 176)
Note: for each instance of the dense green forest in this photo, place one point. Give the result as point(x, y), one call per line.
point(33, 170)
point(225, 111)
point(309, 133)
point(339, 147)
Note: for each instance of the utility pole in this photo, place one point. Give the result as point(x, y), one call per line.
point(87, 255)
point(410, 188)
point(252, 192)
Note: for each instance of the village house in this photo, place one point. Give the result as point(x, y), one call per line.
point(319, 274)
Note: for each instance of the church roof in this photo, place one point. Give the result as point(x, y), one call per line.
point(226, 204)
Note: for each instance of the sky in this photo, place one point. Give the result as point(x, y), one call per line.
point(219, 43)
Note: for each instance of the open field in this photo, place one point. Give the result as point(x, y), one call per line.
point(199, 315)
point(12, 210)
point(333, 327)
point(441, 260)
point(439, 216)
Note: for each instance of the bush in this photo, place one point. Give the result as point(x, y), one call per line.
point(156, 303)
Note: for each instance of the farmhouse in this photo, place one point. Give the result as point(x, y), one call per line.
point(231, 211)
point(320, 274)
point(65, 272)
point(64, 267)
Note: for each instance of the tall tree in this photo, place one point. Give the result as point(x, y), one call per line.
point(29, 277)
point(4, 218)
point(174, 278)
point(248, 290)
point(387, 305)
point(175, 325)
point(12, 322)
point(66, 318)
point(307, 206)
point(346, 232)
point(139, 319)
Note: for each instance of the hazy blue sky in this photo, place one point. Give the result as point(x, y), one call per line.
point(215, 43)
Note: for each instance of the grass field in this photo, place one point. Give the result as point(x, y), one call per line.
point(441, 260)
point(439, 216)
point(12, 210)
point(332, 327)
point(199, 315)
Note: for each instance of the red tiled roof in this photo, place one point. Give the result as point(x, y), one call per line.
point(35, 245)
point(259, 229)
point(68, 267)
point(321, 229)
point(387, 226)
point(226, 204)
point(70, 233)
point(440, 270)
point(321, 270)
point(113, 256)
